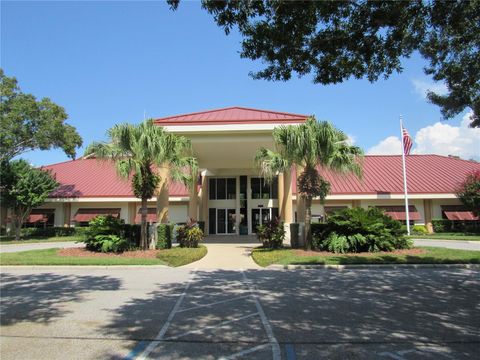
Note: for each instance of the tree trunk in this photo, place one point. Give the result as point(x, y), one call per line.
point(18, 227)
point(144, 229)
point(308, 222)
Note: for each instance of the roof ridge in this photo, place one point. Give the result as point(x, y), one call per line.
point(64, 162)
point(227, 108)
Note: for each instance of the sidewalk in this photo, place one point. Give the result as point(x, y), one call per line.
point(38, 246)
point(227, 252)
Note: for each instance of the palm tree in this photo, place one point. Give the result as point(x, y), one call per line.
point(309, 146)
point(137, 150)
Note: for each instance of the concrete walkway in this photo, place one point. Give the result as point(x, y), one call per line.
point(449, 244)
point(227, 253)
point(8, 248)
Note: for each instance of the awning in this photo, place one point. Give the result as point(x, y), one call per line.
point(85, 215)
point(151, 216)
point(398, 212)
point(39, 215)
point(458, 212)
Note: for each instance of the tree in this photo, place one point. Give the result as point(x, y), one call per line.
point(24, 187)
point(30, 124)
point(136, 150)
point(337, 40)
point(469, 192)
point(309, 145)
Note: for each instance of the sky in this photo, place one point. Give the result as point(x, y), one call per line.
point(112, 62)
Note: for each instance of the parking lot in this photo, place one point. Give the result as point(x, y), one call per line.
point(153, 313)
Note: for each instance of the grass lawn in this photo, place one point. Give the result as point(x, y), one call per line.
point(448, 236)
point(265, 257)
point(4, 240)
point(178, 256)
point(170, 257)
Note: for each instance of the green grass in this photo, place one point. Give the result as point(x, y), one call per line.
point(433, 255)
point(170, 257)
point(448, 236)
point(178, 256)
point(4, 240)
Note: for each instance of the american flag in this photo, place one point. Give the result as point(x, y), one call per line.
point(407, 141)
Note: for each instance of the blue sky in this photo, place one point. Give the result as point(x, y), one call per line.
point(108, 62)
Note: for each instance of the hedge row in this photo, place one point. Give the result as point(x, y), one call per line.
point(445, 225)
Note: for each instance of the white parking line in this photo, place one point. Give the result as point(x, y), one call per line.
point(211, 326)
point(213, 303)
point(272, 340)
point(163, 330)
point(244, 352)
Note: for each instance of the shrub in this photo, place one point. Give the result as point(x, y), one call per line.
point(164, 236)
point(189, 236)
point(441, 225)
point(360, 230)
point(419, 230)
point(132, 233)
point(105, 234)
point(48, 232)
point(271, 234)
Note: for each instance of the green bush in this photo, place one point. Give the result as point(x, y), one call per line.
point(132, 233)
point(360, 230)
point(106, 234)
point(419, 230)
point(164, 234)
point(271, 234)
point(441, 225)
point(48, 232)
point(189, 236)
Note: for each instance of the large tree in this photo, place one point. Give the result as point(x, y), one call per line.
point(23, 188)
point(137, 151)
point(336, 40)
point(310, 146)
point(469, 192)
point(29, 124)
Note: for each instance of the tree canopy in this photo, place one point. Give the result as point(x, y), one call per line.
point(337, 40)
point(24, 187)
point(469, 192)
point(30, 124)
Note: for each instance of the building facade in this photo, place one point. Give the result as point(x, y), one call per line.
point(231, 197)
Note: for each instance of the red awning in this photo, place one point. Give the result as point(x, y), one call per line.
point(458, 212)
point(39, 215)
point(151, 216)
point(85, 215)
point(398, 212)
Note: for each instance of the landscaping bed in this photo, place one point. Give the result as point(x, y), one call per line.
point(421, 255)
point(171, 257)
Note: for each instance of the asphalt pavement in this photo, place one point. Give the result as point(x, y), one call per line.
point(153, 313)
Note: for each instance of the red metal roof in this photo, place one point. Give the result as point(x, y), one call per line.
point(94, 178)
point(232, 115)
point(427, 174)
point(382, 174)
point(85, 215)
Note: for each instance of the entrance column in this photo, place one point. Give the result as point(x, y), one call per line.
point(204, 203)
point(427, 208)
point(131, 212)
point(192, 202)
point(281, 208)
point(162, 195)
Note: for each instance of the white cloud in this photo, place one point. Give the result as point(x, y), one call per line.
point(390, 145)
point(421, 87)
point(439, 138)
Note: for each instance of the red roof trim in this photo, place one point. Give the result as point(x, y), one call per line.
point(229, 122)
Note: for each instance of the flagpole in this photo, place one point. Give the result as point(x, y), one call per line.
point(407, 214)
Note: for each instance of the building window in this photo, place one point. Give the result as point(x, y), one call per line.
point(262, 189)
point(222, 188)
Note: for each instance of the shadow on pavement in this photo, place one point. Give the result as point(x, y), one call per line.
point(38, 298)
point(311, 310)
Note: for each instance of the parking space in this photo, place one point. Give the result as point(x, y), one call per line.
point(145, 313)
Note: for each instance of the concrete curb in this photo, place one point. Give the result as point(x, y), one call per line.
point(373, 266)
point(2, 267)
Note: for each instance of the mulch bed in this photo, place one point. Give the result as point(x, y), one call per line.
point(364, 254)
point(81, 252)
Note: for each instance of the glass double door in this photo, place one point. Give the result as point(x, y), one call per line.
point(261, 216)
point(223, 221)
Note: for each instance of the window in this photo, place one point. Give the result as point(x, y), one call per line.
point(222, 188)
point(262, 189)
